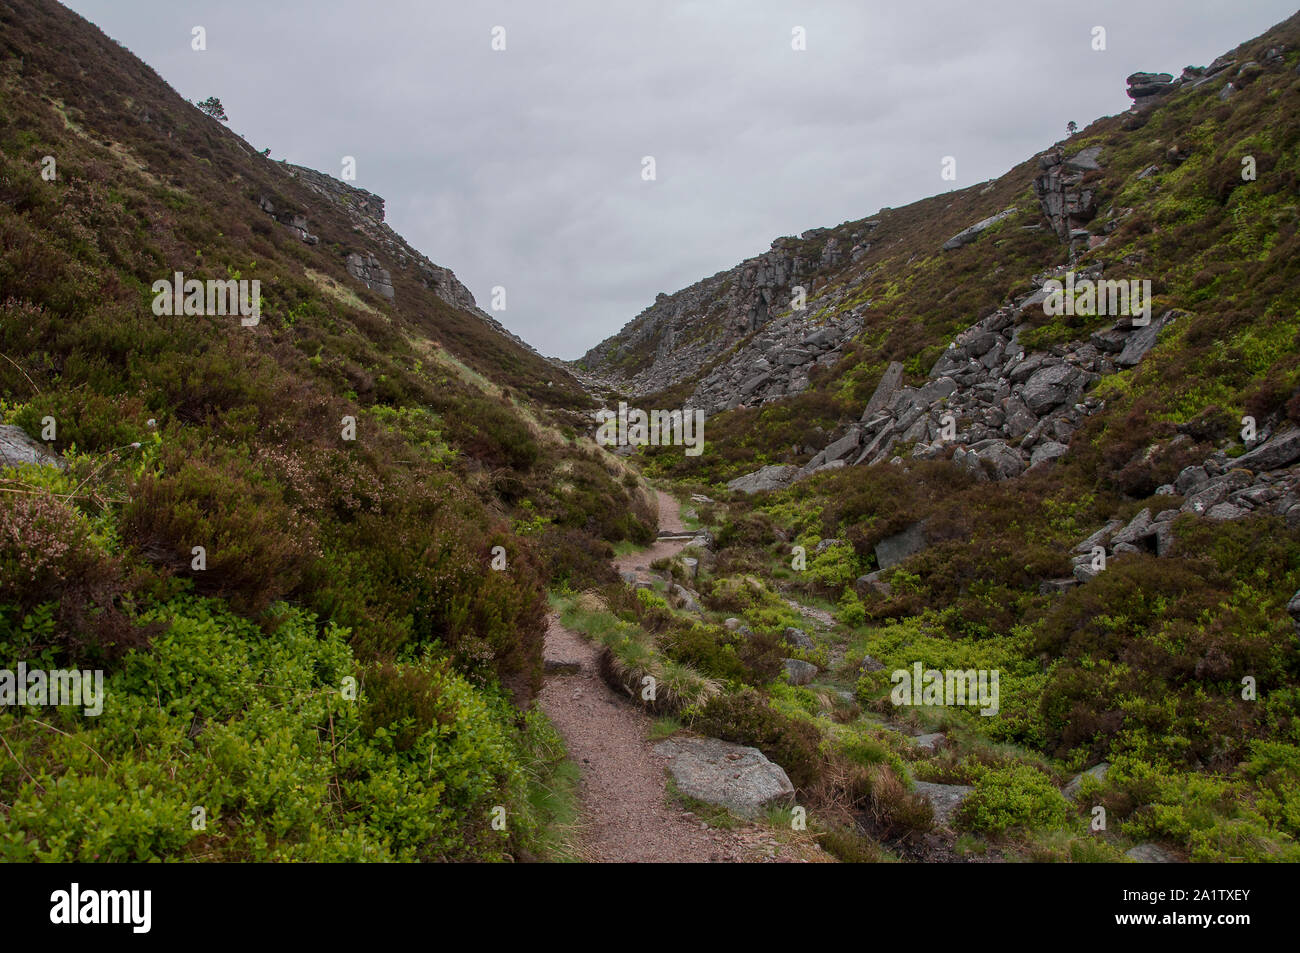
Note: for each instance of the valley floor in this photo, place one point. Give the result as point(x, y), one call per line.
point(627, 814)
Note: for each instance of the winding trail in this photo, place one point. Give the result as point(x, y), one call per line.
point(626, 812)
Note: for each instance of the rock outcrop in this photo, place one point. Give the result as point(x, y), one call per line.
point(1066, 200)
point(998, 409)
point(755, 302)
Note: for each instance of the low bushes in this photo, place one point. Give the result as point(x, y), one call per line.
point(745, 717)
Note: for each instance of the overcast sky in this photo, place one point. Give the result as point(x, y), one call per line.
point(522, 167)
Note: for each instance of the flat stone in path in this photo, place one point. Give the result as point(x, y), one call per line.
point(736, 777)
point(1150, 854)
point(944, 798)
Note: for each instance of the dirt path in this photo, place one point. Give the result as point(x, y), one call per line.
point(626, 814)
point(670, 521)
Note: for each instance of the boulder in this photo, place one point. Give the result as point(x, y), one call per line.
point(930, 741)
point(1226, 511)
point(943, 798)
point(1150, 854)
point(884, 391)
point(1045, 452)
point(1190, 479)
point(1097, 771)
point(772, 477)
point(1048, 387)
point(685, 599)
point(798, 671)
point(18, 448)
point(736, 777)
point(1281, 450)
point(844, 446)
point(1007, 463)
point(1138, 528)
point(968, 235)
point(873, 582)
point(892, 550)
point(797, 638)
point(1141, 341)
point(870, 664)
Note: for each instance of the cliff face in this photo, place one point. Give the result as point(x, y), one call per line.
point(681, 334)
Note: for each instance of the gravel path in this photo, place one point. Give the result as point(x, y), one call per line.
point(626, 813)
point(670, 520)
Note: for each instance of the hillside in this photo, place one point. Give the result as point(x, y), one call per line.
point(336, 511)
point(946, 461)
point(344, 571)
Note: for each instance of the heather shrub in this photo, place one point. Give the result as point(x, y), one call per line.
point(61, 592)
point(256, 546)
point(745, 717)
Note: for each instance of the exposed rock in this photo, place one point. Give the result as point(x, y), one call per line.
point(736, 777)
point(884, 391)
point(798, 671)
point(1048, 387)
point(772, 477)
point(870, 664)
point(1097, 771)
point(945, 799)
point(1150, 854)
point(842, 447)
point(1280, 451)
point(798, 638)
point(1065, 201)
point(18, 448)
point(1141, 85)
point(930, 741)
point(1137, 529)
point(1142, 340)
point(894, 549)
point(1045, 452)
point(1085, 160)
point(369, 270)
point(968, 235)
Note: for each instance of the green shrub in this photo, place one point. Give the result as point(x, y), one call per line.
point(1015, 797)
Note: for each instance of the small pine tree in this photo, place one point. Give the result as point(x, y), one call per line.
point(212, 107)
point(1071, 127)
